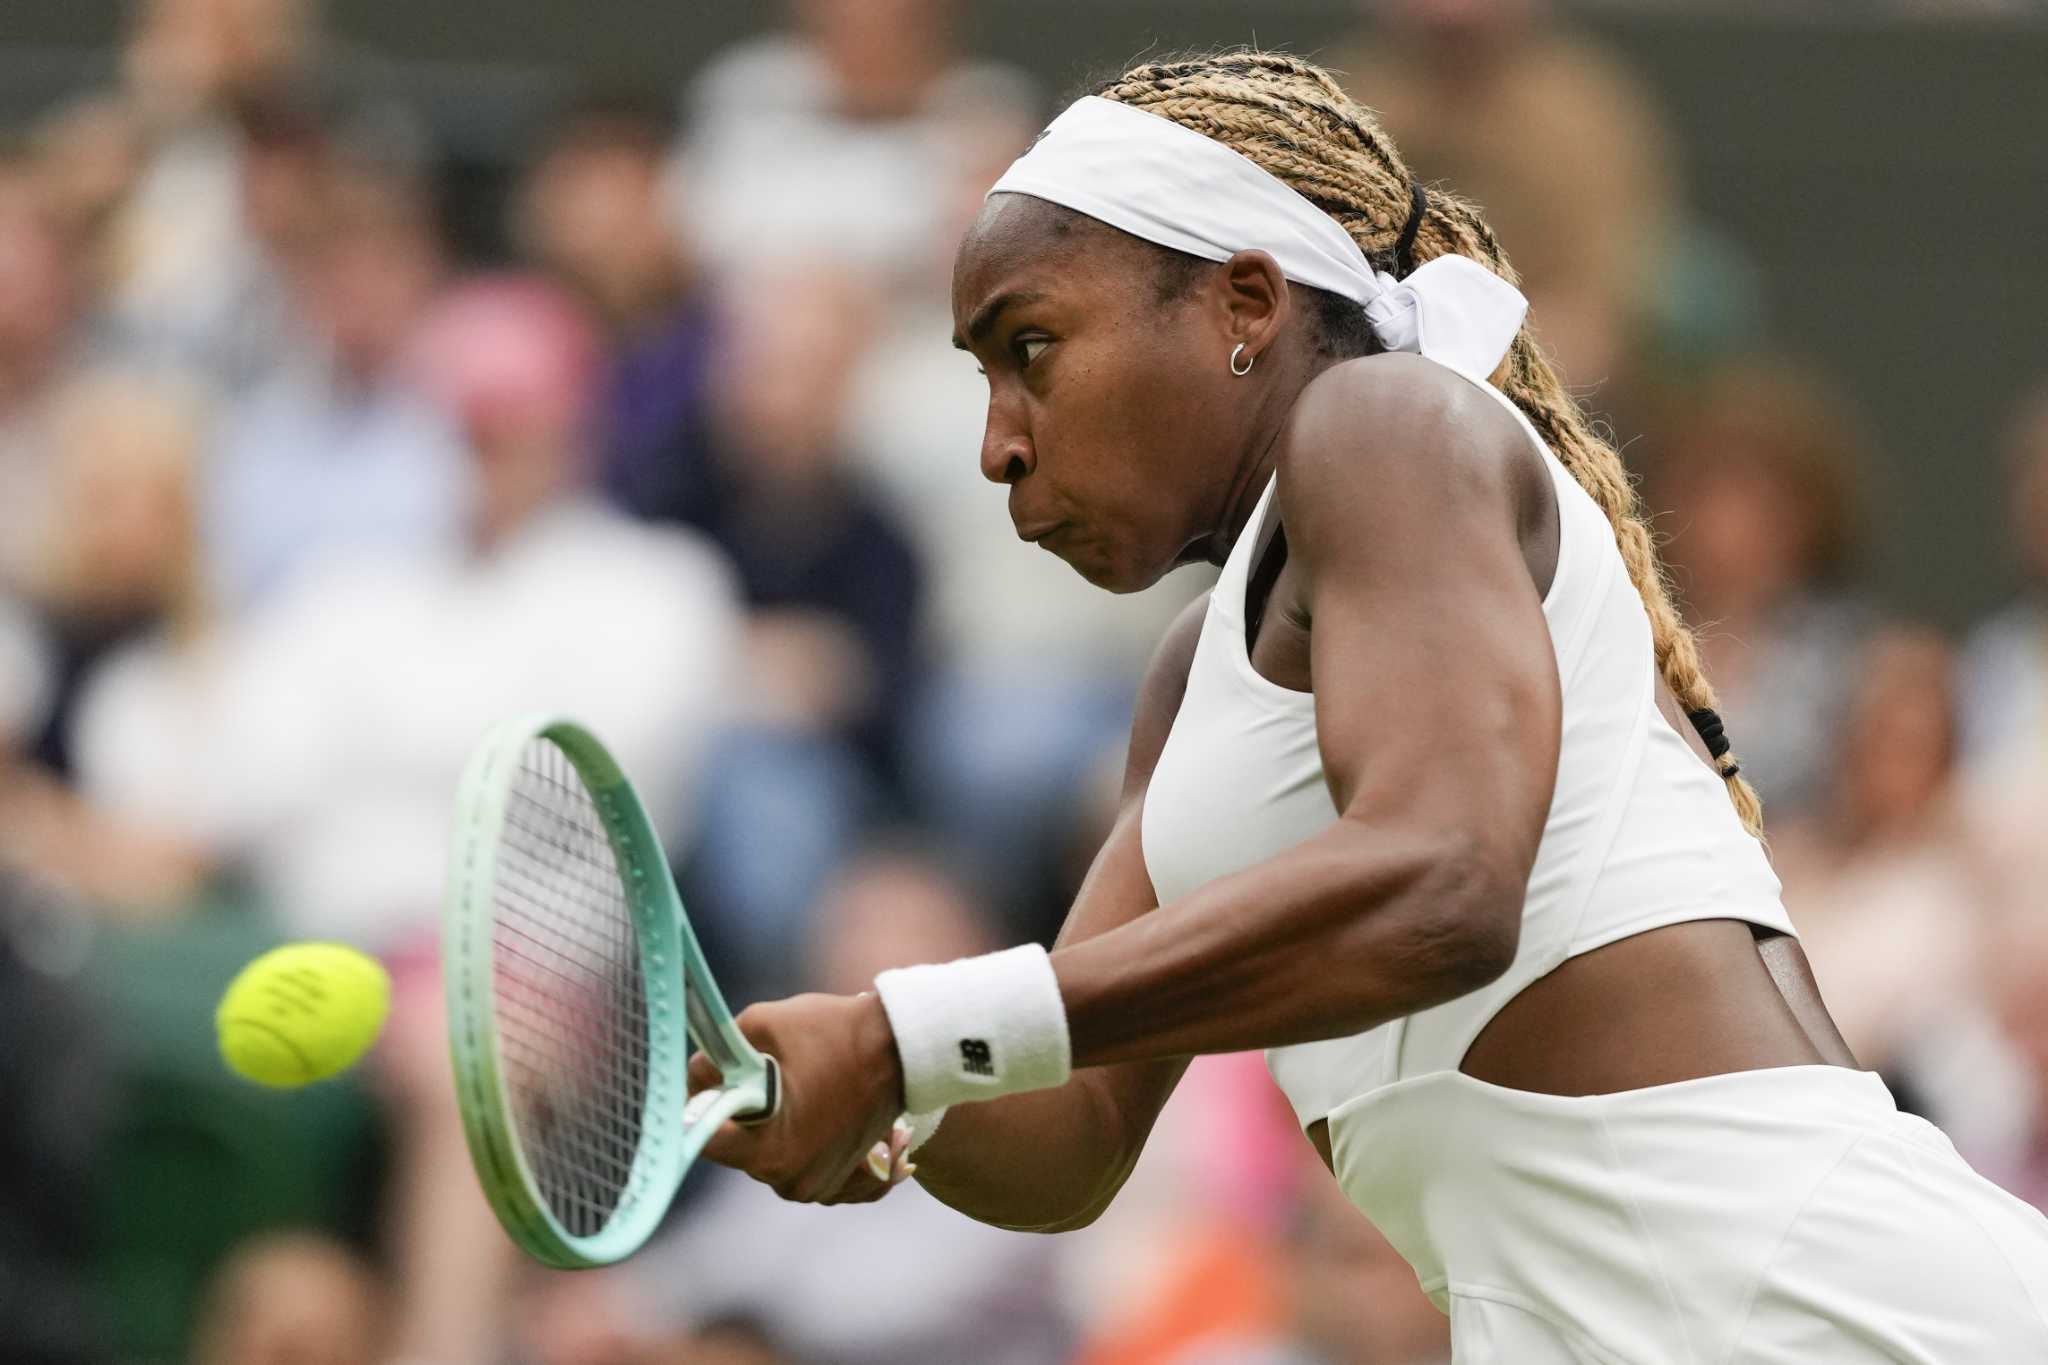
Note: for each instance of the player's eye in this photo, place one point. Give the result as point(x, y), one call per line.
point(1023, 350)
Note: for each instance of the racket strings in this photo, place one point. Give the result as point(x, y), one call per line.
point(571, 1004)
point(580, 1142)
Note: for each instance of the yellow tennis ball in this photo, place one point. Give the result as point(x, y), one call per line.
point(302, 1013)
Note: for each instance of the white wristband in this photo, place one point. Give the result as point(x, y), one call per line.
point(977, 1028)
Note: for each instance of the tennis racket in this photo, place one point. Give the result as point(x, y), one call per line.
point(575, 987)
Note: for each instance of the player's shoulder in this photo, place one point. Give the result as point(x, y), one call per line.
point(1383, 402)
point(1397, 431)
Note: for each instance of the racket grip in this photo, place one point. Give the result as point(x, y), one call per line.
point(771, 1103)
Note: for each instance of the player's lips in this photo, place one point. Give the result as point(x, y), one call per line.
point(1038, 533)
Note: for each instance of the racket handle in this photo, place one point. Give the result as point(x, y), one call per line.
point(771, 1103)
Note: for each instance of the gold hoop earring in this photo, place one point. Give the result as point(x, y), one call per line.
point(1249, 362)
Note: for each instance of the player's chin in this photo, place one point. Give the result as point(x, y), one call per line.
point(1110, 571)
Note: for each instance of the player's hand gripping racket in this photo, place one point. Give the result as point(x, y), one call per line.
point(574, 988)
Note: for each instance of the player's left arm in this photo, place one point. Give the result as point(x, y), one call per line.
point(1404, 493)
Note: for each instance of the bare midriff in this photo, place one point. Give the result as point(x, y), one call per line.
point(1671, 1004)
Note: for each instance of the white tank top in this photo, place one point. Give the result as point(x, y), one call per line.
point(1640, 832)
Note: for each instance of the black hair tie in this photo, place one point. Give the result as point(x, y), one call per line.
point(1708, 722)
point(1404, 245)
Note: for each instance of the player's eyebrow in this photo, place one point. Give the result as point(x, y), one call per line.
point(985, 316)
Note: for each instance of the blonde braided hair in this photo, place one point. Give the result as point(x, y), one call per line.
point(1293, 120)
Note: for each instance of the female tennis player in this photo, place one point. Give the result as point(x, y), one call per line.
point(1427, 799)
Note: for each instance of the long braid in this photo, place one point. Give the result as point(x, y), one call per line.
point(1294, 121)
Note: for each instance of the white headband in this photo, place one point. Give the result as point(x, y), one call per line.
point(1171, 185)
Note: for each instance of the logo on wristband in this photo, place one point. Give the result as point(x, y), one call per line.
point(975, 1057)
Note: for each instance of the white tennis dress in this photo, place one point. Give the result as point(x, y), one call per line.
point(1766, 1216)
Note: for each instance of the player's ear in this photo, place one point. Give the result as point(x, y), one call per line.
point(1252, 296)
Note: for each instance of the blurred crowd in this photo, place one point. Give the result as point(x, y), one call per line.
point(296, 499)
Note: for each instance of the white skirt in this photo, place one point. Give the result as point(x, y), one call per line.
point(1789, 1215)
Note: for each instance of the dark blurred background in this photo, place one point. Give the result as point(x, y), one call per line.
point(369, 371)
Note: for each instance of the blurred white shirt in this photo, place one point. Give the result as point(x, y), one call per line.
point(771, 169)
point(323, 742)
point(305, 470)
point(195, 289)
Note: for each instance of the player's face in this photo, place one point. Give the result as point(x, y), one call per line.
point(1108, 416)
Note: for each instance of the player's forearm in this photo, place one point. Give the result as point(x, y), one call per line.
point(1042, 1161)
point(1346, 931)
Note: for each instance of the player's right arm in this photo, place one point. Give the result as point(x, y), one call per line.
point(1051, 1160)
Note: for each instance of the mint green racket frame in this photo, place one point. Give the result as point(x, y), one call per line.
point(683, 1004)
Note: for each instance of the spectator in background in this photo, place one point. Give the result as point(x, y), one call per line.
point(1996, 1084)
point(1554, 136)
point(88, 153)
point(292, 1299)
point(1883, 878)
point(187, 59)
point(592, 210)
point(1985, 1070)
point(2017, 987)
point(191, 283)
point(1758, 487)
point(1989, 1075)
point(2006, 665)
point(832, 587)
point(122, 590)
point(338, 450)
point(368, 681)
point(39, 306)
point(848, 110)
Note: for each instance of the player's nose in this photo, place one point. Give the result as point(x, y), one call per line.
point(1006, 451)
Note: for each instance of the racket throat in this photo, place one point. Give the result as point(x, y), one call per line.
point(771, 1095)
